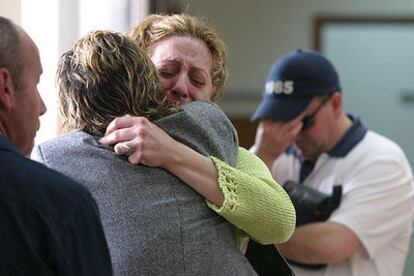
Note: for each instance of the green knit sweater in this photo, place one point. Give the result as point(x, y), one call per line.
point(257, 205)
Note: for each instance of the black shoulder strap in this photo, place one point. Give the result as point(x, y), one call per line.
point(267, 261)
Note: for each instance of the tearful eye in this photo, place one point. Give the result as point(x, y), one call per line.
point(168, 69)
point(166, 74)
point(198, 77)
point(199, 82)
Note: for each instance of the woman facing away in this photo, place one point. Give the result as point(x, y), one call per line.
point(191, 61)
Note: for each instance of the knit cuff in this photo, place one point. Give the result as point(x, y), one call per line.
point(227, 185)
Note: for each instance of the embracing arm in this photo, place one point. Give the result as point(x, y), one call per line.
point(254, 202)
point(246, 196)
point(150, 145)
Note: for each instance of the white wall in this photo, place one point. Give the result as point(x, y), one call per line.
point(257, 32)
point(10, 9)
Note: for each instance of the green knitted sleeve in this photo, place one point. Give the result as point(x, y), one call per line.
point(254, 202)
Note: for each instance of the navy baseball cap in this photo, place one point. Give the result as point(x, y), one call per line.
point(293, 81)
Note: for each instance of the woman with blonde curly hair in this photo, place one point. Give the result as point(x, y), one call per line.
point(191, 61)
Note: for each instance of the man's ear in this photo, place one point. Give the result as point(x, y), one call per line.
point(337, 103)
point(7, 89)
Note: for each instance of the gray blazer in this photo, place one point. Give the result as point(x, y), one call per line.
point(154, 223)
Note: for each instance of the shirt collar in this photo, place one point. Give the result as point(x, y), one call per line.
point(6, 144)
point(351, 138)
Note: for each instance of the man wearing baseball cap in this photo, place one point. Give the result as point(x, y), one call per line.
point(310, 143)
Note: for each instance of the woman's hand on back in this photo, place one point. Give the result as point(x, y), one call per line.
point(145, 142)
point(149, 145)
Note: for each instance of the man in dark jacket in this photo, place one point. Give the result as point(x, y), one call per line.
point(50, 225)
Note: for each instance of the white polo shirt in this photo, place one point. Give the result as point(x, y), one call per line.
point(377, 202)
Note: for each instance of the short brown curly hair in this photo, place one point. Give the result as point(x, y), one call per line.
point(158, 27)
point(104, 76)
